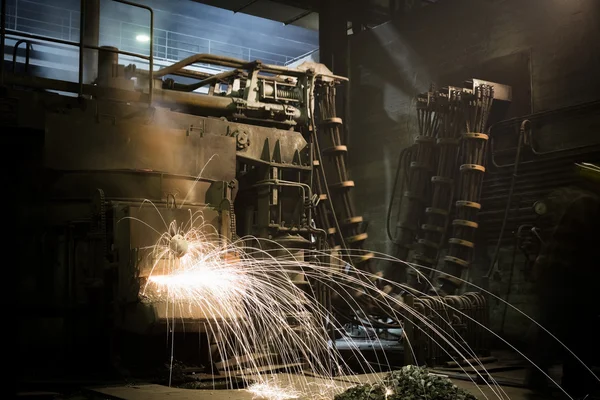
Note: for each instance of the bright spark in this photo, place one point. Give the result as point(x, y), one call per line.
point(272, 392)
point(388, 392)
point(200, 278)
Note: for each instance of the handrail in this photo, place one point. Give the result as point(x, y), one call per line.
point(28, 48)
point(561, 152)
point(82, 46)
point(161, 37)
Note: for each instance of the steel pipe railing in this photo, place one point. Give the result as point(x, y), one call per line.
point(82, 46)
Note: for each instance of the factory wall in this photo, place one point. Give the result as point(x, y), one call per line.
point(542, 48)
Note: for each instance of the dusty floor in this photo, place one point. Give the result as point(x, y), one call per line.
point(156, 392)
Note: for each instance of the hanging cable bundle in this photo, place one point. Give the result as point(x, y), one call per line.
point(432, 232)
point(420, 170)
point(339, 219)
point(476, 108)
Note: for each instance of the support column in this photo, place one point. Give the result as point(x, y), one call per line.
point(91, 36)
point(333, 36)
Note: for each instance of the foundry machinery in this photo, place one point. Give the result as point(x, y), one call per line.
point(443, 177)
point(261, 154)
point(117, 161)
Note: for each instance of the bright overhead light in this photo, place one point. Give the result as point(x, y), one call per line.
point(142, 38)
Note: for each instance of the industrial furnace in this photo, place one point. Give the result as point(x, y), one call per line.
point(117, 162)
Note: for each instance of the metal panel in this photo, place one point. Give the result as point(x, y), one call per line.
point(75, 144)
point(289, 141)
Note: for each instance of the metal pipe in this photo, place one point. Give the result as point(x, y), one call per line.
point(222, 106)
point(235, 63)
point(208, 103)
point(28, 49)
point(494, 212)
point(510, 277)
point(500, 186)
point(208, 81)
point(530, 172)
point(217, 105)
point(538, 115)
point(73, 87)
point(71, 43)
point(39, 37)
point(117, 51)
point(543, 153)
point(196, 58)
point(401, 160)
point(549, 159)
point(541, 114)
point(510, 194)
point(299, 185)
point(534, 192)
point(203, 75)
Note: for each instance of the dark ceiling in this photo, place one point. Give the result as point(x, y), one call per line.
point(304, 13)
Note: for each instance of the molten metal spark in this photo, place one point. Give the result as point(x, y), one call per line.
point(388, 392)
point(178, 245)
point(272, 392)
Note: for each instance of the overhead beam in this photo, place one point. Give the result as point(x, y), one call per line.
point(298, 17)
point(333, 36)
point(374, 14)
point(248, 4)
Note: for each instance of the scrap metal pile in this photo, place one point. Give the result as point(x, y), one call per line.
point(410, 382)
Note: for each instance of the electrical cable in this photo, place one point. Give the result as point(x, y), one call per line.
point(406, 151)
point(509, 200)
point(322, 170)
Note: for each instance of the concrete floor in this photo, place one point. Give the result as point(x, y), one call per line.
point(311, 390)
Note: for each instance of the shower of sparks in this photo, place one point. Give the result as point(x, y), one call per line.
point(249, 294)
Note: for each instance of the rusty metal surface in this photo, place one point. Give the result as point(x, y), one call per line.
point(76, 144)
point(283, 142)
point(127, 185)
